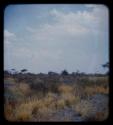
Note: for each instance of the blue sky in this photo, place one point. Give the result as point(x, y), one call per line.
point(55, 37)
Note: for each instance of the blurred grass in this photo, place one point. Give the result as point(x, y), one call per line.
point(26, 102)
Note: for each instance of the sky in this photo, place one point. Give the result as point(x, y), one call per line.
point(54, 37)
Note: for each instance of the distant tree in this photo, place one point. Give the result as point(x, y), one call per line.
point(13, 71)
point(73, 73)
point(52, 73)
point(106, 65)
point(24, 70)
point(64, 72)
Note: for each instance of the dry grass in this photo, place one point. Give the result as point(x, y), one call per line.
point(89, 112)
point(70, 99)
point(40, 108)
point(65, 89)
point(23, 115)
point(43, 114)
point(8, 112)
point(85, 108)
point(31, 106)
point(24, 112)
point(24, 88)
point(60, 104)
point(68, 94)
point(91, 90)
point(101, 89)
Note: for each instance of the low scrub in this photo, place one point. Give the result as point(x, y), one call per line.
point(34, 98)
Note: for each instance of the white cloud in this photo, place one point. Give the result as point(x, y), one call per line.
point(29, 29)
point(8, 34)
point(53, 44)
point(9, 37)
point(21, 52)
point(72, 24)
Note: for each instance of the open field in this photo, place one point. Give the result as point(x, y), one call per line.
point(56, 62)
point(42, 97)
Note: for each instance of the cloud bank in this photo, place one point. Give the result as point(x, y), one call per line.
point(70, 40)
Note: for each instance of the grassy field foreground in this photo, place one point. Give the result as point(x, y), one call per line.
point(53, 99)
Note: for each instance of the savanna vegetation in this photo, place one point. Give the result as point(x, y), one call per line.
point(55, 97)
